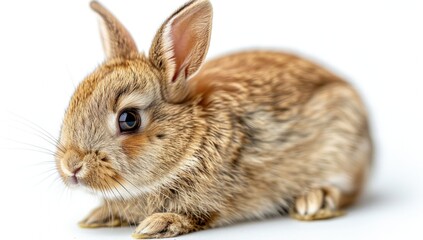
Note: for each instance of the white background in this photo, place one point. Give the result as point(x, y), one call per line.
point(47, 47)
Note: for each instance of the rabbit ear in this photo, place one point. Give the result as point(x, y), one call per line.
point(117, 42)
point(181, 44)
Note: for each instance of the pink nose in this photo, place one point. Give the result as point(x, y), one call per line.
point(76, 171)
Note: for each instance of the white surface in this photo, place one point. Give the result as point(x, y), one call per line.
point(47, 47)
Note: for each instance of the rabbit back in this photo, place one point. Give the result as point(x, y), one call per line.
point(292, 127)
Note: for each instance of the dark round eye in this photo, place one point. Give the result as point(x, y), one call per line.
point(129, 121)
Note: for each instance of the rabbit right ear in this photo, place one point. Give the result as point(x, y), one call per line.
point(117, 42)
point(180, 46)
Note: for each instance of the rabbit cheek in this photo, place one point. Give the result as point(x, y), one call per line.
point(133, 145)
point(101, 176)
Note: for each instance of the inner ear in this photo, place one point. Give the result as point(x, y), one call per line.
point(185, 40)
point(181, 44)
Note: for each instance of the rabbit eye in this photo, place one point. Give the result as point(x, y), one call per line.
point(129, 121)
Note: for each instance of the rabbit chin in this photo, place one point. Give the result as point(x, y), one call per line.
point(125, 190)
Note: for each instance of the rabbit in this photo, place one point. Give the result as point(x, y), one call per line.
point(173, 144)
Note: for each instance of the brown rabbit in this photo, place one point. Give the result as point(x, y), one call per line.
point(175, 146)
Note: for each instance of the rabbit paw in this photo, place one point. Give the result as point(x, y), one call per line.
point(318, 204)
point(163, 225)
point(101, 217)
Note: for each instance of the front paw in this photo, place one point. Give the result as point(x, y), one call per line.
point(164, 225)
point(101, 217)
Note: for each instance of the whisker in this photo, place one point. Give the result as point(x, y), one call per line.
point(65, 190)
point(43, 163)
point(50, 174)
point(40, 135)
point(32, 145)
point(50, 170)
point(111, 190)
point(123, 187)
point(39, 129)
point(27, 122)
point(32, 150)
point(137, 204)
point(132, 196)
point(55, 180)
point(122, 198)
point(136, 187)
point(110, 206)
point(111, 213)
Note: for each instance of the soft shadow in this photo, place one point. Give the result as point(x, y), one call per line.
point(372, 199)
point(109, 232)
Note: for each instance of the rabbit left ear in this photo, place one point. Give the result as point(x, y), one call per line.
point(181, 45)
point(117, 42)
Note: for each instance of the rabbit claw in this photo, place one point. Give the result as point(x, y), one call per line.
point(318, 204)
point(163, 225)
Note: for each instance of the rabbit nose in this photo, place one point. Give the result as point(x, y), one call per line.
point(76, 170)
point(72, 165)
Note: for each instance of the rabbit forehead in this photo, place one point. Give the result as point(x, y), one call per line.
point(103, 92)
point(113, 76)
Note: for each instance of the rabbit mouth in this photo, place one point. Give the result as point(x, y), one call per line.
point(74, 180)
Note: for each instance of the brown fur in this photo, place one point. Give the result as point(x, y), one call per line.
point(250, 135)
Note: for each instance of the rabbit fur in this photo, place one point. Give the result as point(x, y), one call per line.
point(245, 136)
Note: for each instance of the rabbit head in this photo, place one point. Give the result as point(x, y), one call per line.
point(128, 126)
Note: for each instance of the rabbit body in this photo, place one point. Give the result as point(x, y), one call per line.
point(249, 135)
